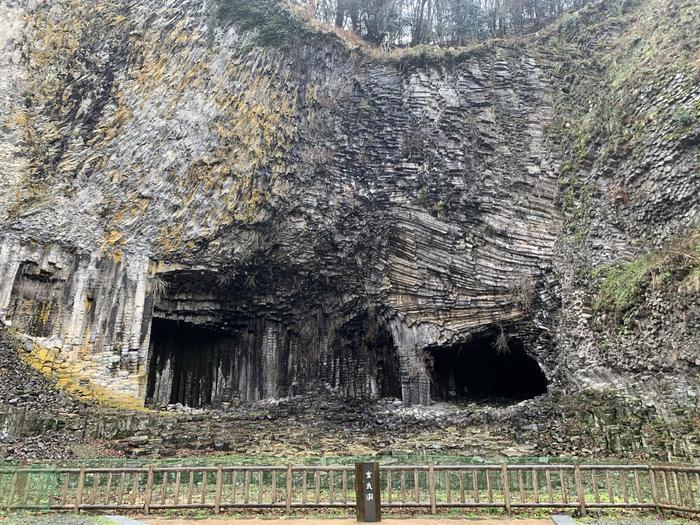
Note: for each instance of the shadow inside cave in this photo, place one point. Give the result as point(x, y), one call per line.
point(478, 371)
point(198, 366)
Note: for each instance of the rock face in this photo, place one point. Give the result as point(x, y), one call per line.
point(193, 217)
point(630, 179)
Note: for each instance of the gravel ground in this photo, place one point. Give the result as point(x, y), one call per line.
point(24, 389)
point(55, 519)
point(22, 386)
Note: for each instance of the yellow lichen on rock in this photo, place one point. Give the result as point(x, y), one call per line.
point(74, 377)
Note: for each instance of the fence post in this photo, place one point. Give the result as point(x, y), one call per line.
point(14, 480)
point(505, 483)
point(289, 488)
point(149, 491)
point(219, 481)
point(432, 488)
point(21, 486)
point(579, 490)
point(79, 493)
point(654, 492)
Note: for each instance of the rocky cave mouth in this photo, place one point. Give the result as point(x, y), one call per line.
point(478, 371)
point(363, 361)
point(216, 351)
point(189, 364)
point(225, 363)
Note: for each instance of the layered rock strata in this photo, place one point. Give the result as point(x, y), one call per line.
point(299, 214)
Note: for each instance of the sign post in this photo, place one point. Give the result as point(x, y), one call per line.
point(367, 492)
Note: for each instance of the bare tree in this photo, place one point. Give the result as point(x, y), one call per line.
point(441, 22)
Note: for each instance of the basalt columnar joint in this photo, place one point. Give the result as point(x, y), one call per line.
point(192, 217)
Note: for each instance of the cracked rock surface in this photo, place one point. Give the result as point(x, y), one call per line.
point(189, 216)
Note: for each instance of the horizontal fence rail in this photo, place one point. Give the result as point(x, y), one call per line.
point(434, 488)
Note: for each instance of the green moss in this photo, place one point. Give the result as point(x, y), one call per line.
point(274, 24)
point(270, 20)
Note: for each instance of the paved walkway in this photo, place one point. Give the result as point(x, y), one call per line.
point(311, 521)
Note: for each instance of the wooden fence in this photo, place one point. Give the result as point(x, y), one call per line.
point(434, 488)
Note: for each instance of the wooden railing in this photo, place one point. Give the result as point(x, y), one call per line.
point(581, 487)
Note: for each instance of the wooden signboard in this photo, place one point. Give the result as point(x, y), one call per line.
point(367, 492)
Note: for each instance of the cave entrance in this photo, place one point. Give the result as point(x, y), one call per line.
point(477, 371)
point(363, 360)
point(201, 366)
point(190, 365)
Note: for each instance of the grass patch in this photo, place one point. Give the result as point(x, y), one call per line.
point(426, 56)
point(622, 284)
point(272, 22)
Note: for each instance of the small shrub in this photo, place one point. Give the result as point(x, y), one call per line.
point(500, 345)
point(685, 118)
point(224, 279)
point(423, 199)
point(159, 287)
point(440, 207)
point(622, 284)
point(569, 24)
point(522, 292)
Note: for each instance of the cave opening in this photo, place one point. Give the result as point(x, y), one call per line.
point(189, 364)
point(234, 359)
point(363, 361)
point(216, 366)
point(478, 371)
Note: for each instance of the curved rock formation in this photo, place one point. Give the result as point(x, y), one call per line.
point(247, 221)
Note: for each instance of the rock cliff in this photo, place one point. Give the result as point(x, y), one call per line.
point(193, 214)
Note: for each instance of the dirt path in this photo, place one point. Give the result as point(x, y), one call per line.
point(391, 521)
